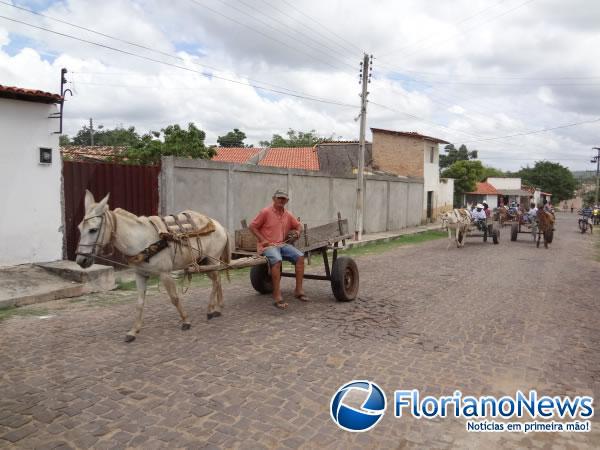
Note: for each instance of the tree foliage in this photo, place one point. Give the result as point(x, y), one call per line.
point(118, 136)
point(175, 141)
point(234, 138)
point(550, 177)
point(452, 155)
point(294, 139)
point(466, 174)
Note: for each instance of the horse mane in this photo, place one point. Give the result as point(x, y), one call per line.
point(131, 216)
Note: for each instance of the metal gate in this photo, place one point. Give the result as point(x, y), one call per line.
point(134, 188)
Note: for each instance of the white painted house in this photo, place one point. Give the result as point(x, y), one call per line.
point(30, 177)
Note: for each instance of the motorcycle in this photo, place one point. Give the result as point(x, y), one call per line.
point(584, 224)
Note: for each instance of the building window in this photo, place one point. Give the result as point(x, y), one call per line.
point(45, 155)
point(432, 155)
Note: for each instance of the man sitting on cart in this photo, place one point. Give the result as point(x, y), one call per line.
point(274, 227)
point(478, 217)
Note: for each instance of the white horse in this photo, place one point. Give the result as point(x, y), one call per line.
point(458, 220)
point(131, 235)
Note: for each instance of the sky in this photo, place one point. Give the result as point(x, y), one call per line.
point(517, 80)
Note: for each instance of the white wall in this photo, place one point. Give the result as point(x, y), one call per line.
point(504, 183)
point(445, 194)
point(431, 175)
point(30, 193)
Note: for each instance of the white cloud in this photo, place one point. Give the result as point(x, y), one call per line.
point(463, 70)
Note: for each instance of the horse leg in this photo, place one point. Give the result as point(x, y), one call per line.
point(214, 308)
point(169, 284)
point(449, 239)
point(140, 281)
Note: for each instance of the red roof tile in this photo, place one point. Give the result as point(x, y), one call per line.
point(484, 188)
point(305, 158)
point(238, 155)
point(28, 95)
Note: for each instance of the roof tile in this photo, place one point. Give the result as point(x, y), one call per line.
point(240, 155)
point(30, 95)
point(304, 158)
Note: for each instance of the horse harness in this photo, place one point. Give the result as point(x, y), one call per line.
point(178, 229)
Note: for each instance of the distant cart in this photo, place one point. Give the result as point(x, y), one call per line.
point(489, 231)
point(529, 228)
point(343, 272)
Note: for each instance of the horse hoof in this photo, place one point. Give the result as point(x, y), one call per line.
point(186, 326)
point(213, 315)
point(129, 338)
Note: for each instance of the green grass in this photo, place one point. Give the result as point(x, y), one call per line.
point(7, 313)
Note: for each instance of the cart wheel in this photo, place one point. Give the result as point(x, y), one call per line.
point(344, 279)
point(260, 279)
point(495, 236)
point(485, 234)
point(549, 236)
point(514, 230)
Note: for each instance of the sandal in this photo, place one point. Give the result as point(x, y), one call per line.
point(280, 304)
point(302, 297)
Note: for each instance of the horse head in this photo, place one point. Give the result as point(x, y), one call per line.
point(94, 230)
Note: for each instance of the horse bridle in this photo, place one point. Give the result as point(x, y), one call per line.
point(109, 216)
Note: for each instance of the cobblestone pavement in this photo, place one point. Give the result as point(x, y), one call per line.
point(485, 319)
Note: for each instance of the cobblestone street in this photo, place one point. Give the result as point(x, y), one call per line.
point(485, 319)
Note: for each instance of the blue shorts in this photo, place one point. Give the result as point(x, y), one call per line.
point(286, 252)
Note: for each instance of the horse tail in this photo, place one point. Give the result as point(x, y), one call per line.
point(226, 256)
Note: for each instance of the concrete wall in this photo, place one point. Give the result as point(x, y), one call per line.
point(31, 220)
point(504, 183)
point(232, 192)
point(431, 177)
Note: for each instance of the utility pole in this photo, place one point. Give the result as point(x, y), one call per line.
point(365, 79)
point(91, 132)
point(596, 159)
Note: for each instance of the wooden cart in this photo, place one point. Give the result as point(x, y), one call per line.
point(343, 272)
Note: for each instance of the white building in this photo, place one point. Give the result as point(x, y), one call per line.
point(30, 177)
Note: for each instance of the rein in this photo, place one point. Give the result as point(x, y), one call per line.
point(107, 216)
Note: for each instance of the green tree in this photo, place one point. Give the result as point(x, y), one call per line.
point(465, 174)
point(491, 172)
point(175, 141)
point(294, 139)
point(550, 177)
point(118, 136)
point(452, 155)
point(64, 140)
point(234, 138)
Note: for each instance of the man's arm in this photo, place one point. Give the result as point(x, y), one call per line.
point(255, 226)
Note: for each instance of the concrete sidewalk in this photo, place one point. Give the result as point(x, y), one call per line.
point(35, 283)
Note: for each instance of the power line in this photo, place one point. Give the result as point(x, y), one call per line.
point(325, 27)
point(316, 99)
point(466, 19)
point(307, 25)
point(536, 131)
point(306, 36)
point(148, 48)
point(214, 11)
point(469, 29)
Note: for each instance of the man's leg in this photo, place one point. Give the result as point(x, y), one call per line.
point(276, 278)
point(299, 276)
point(292, 254)
point(274, 256)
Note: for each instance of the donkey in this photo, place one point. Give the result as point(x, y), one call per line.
point(545, 224)
point(132, 235)
point(458, 220)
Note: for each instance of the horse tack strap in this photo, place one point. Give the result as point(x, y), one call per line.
point(148, 252)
